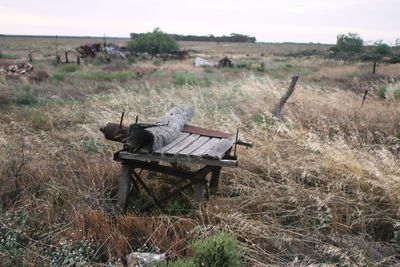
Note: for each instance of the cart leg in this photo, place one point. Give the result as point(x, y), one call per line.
point(124, 183)
point(198, 193)
point(215, 174)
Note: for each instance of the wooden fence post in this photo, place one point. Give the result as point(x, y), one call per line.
point(66, 57)
point(278, 109)
point(374, 67)
point(364, 98)
point(78, 60)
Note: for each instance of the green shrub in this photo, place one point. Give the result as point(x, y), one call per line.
point(8, 56)
point(158, 62)
point(23, 95)
point(73, 253)
point(107, 76)
point(288, 67)
point(38, 120)
point(156, 42)
point(185, 78)
point(39, 76)
point(396, 93)
point(261, 68)
point(101, 59)
point(220, 250)
point(132, 59)
point(382, 49)
point(348, 43)
point(91, 146)
point(68, 68)
point(15, 230)
point(58, 76)
point(382, 92)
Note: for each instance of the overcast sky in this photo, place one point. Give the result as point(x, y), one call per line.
point(270, 21)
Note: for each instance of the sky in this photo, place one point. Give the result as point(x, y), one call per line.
point(269, 21)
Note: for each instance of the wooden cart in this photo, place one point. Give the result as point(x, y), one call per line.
point(208, 149)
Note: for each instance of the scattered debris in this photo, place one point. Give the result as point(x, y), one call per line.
point(225, 62)
point(141, 259)
point(89, 50)
point(178, 54)
point(111, 50)
point(201, 62)
point(17, 69)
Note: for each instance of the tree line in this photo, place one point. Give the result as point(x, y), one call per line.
point(233, 38)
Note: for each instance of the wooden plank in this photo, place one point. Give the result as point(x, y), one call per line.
point(151, 157)
point(182, 145)
point(218, 150)
point(204, 132)
point(180, 138)
point(195, 145)
point(200, 151)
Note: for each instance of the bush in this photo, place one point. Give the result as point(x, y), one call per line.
point(58, 76)
point(68, 68)
point(73, 253)
point(158, 62)
point(382, 92)
point(39, 120)
point(8, 56)
point(156, 42)
point(382, 49)
point(186, 79)
point(348, 43)
point(23, 95)
point(107, 76)
point(39, 76)
point(219, 250)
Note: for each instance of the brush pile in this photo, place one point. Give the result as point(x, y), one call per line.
point(17, 69)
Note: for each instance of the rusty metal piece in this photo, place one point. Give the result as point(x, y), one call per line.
point(115, 132)
point(122, 120)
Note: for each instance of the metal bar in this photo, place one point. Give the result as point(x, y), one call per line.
point(122, 119)
point(166, 197)
point(147, 189)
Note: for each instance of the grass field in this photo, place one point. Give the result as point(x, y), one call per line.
point(319, 187)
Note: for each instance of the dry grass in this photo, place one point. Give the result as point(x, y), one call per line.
point(320, 187)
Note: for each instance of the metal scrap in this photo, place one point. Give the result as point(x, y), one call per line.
point(201, 62)
point(110, 50)
point(225, 62)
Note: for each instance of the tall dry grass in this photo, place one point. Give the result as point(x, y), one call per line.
point(319, 187)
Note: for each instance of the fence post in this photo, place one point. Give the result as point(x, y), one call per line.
point(278, 109)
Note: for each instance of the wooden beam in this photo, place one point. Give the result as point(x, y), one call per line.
point(195, 160)
point(124, 183)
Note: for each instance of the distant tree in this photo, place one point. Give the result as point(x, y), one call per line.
point(382, 49)
point(233, 37)
point(397, 43)
point(349, 43)
point(156, 42)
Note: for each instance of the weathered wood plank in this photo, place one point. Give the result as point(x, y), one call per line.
point(194, 160)
point(204, 132)
point(182, 145)
point(218, 150)
point(195, 145)
point(180, 138)
point(200, 151)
